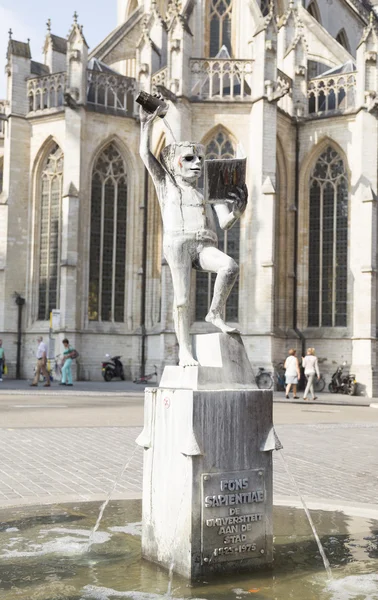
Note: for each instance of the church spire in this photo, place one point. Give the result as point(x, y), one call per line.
point(76, 29)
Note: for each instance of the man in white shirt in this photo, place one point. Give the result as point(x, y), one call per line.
point(41, 363)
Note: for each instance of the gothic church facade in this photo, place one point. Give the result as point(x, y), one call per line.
point(291, 86)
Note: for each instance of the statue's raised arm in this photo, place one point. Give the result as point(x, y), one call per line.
point(153, 165)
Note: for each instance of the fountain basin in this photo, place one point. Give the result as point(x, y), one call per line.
point(43, 557)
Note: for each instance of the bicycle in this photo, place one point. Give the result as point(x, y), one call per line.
point(264, 379)
point(280, 377)
point(319, 384)
point(147, 377)
point(57, 366)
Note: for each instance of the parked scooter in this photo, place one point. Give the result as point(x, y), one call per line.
point(112, 368)
point(344, 384)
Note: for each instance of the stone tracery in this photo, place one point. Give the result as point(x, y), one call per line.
point(220, 25)
point(328, 242)
point(108, 237)
point(50, 232)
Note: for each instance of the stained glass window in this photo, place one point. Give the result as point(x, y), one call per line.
point(50, 233)
point(106, 300)
point(220, 25)
point(328, 242)
point(228, 241)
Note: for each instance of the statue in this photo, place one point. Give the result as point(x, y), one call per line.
point(190, 239)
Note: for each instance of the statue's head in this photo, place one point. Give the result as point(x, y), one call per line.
point(183, 159)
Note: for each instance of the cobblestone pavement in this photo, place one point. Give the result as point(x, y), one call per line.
point(331, 462)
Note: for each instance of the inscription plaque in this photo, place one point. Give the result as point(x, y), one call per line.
point(233, 522)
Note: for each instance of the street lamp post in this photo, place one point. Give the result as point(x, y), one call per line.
point(20, 301)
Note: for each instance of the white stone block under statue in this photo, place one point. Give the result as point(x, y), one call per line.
point(207, 473)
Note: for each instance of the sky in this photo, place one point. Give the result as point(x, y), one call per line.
point(27, 19)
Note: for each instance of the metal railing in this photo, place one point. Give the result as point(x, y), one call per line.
point(46, 92)
point(111, 93)
point(221, 79)
point(331, 93)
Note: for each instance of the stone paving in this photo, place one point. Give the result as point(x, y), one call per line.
point(43, 465)
point(126, 388)
point(334, 462)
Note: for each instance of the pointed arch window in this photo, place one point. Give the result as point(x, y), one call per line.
point(228, 241)
point(106, 300)
point(220, 147)
point(50, 233)
point(342, 38)
point(220, 19)
point(313, 9)
point(1, 173)
point(328, 242)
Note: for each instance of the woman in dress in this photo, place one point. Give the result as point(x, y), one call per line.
point(311, 368)
point(292, 373)
point(66, 363)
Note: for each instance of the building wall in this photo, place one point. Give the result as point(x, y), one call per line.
point(268, 274)
point(335, 16)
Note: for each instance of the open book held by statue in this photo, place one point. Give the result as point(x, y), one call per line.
point(189, 227)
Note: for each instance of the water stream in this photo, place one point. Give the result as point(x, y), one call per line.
point(170, 580)
point(170, 130)
point(170, 575)
point(106, 502)
point(320, 546)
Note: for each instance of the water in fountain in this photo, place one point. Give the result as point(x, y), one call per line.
point(104, 504)
point(36, 558)
point(170, 130)
point(321, 549)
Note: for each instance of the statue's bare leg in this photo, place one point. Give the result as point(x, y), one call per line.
point(181, 267)
point(212, 259)
point(182, 326)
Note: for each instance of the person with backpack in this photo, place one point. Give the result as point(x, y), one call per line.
point(68, 354)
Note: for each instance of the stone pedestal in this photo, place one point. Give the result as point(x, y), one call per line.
point(207, 482)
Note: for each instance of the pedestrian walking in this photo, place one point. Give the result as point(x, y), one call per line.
point(2, 360)
point(311, 368)
point(41, 363)
point(292, 373)
point(68, 354)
